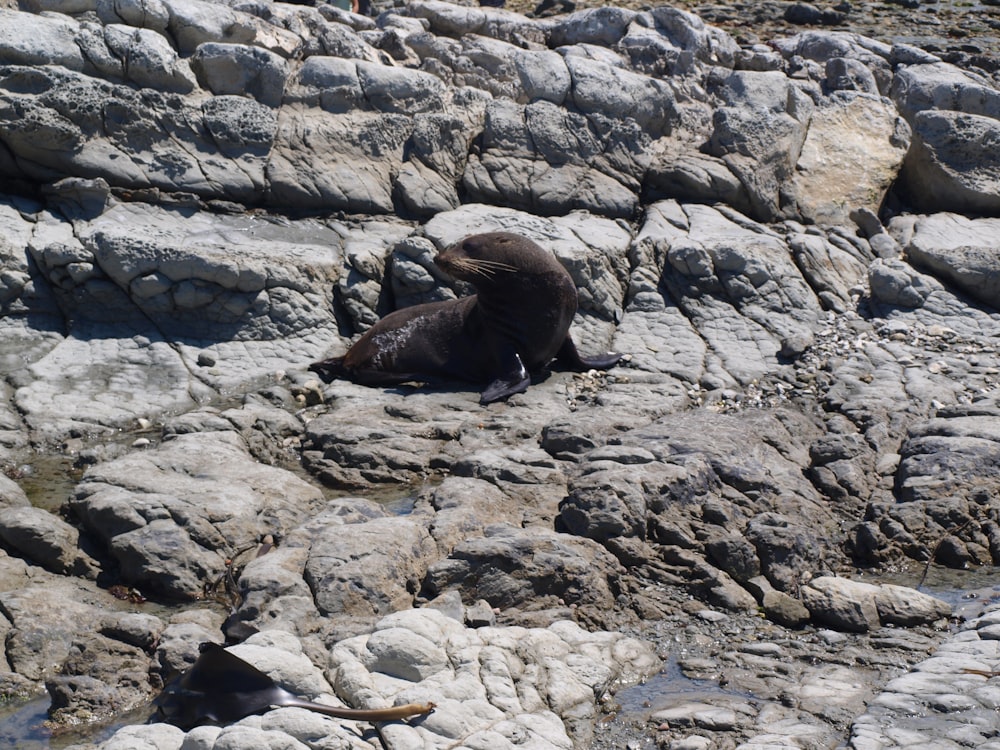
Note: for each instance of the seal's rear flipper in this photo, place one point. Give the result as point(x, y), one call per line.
point(514, 380)
point(570, 357)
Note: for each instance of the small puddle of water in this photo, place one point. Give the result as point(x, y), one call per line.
point(668, 685)
point(23, 726)
point(968, 592)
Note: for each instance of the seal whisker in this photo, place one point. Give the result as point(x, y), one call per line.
point(468, 266)
point(493, 264)
point(486, 268)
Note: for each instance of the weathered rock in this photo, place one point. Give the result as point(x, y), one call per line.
point(44, 616)
point(952, 113)
point(959, 251)
point(508, 683)
point(222, 501)
point(515, 568)
point(941, 697)
point(352, 572)
point(764, 121)
point(11, 494)
point(47, 540)
point(100, 677)
point(841, 603)
point(945, 473)
point(951, 167)
point(241, 69)
point(687, 463)
point(836, 172)
point(855, 606)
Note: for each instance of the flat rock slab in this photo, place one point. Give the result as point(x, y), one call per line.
point(948, 700)
point(166, 514)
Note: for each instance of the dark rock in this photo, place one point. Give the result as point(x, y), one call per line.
point(100, 677)
point(784, 609)
point(736, 556)
point(531, 569)
point(804, 14)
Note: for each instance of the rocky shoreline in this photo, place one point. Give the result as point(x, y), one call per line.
point(792, 236)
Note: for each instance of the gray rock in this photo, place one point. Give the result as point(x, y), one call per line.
point(670, 41)
point(447, 19)
point(241, 69)
point(155, 736)
point(47, 540)
point(764, 120)
point(148, 60)
point(950, 167)
point(884, 246)
point(697, 177)
point(602, 26)
point(900, 605)
point(143, 14)
point(396, 90)
point(527, 677)
point(362, 151)
point(225, 501)
point(856, 606)
point(28, 39)
point(194, 22)
point(502, 567)
point(847, 74)
point(100, 676)
point(354, 572)
point(708, 277)
point(11, 494)
point(841, 603)
point(938, 700)
point(960, 251)
point(944, 87)
point(43, 617)
point(599, 88)
point(895, 283)
point(558, 177)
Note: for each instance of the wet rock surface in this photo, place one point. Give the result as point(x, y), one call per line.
point(789, 228)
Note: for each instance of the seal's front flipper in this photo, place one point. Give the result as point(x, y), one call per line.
point(514, 380)
point(329, 369)
point(335, 369)
point(570, 357)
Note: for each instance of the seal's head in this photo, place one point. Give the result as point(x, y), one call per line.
point(492, 258)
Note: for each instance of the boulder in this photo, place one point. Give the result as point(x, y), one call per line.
point(241, 69)
point(951, 166)
point(503, 567)
point(368, 568)
point(852, 152)
point(855, 606)
point(47, 540)
point(225, 501)
point(960, 251)
point(759, 132)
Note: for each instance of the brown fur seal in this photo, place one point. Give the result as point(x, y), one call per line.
point(515, 325)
